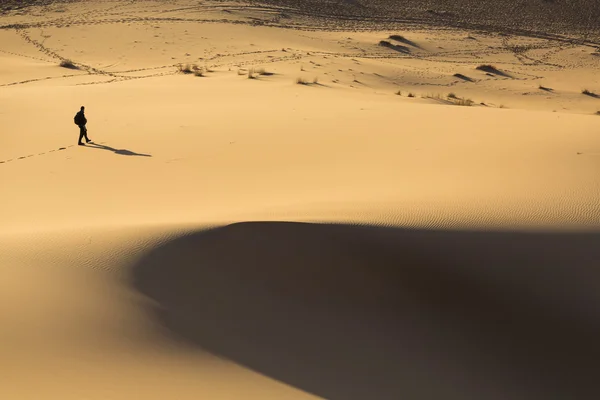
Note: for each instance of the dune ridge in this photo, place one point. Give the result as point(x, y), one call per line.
point(298, 200)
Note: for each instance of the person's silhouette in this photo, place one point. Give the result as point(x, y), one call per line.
point(80, 120)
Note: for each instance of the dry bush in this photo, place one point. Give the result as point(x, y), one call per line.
point(399, 93)
point(410, 94)
point(263, 72)
point(452, 96)
point(66, 63)
point(589, 93)
point(398, 38)
point(187, 68)
point(301, 81)
point(463, 77)
point(464, 102)
point(488, 68)
point(389, 45)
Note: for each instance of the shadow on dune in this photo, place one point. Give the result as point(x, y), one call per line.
point(349, 313)
point(122, 152)
point(404, 40)
point(464, 77)
point(397, 47)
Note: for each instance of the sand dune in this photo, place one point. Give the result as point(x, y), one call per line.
point(398, 313)
point(341, 200)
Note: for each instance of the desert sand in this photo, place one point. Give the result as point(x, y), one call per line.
point(299, 200)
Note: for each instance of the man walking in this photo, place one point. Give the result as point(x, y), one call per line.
point(80, 121)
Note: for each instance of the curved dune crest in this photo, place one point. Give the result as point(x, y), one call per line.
point(345, 312)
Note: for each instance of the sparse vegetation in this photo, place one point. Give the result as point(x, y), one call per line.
point(398, 38)
point(487, 68)
point(66, 63)
point(389, 45)
point(464, 102)
point(410, 94)
point(263, 72)
point(304, 81)
point(402, 39)
point(451, 99)
point(399, 93)
point(597, 112)
point(545, 88)
point(187, 68)
point(463, 77)
point(589, 93)
point(492, 70)
point(254, 73)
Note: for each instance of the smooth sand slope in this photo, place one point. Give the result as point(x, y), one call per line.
point(315, 216)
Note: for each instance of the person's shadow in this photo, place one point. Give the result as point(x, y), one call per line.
point(123, 152)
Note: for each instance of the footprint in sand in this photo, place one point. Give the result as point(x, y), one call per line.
point(39, 154)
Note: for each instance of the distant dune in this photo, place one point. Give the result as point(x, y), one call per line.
point(543, 16)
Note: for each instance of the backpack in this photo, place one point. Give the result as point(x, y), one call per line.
point(77, 119)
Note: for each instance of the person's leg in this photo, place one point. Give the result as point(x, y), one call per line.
point(85, 135)
point(81, 134)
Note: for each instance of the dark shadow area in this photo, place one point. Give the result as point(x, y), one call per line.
point(397, 47)
point(546, 89)
point(122, 152)
point(354, 313)
point(402, 39)
point(464, 77)
point(313, 84)
point(490, 69)
point(591, 94)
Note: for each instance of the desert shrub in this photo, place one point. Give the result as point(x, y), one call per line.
point(187, 68)
point(66, 63)
point(464, 102)
point(487, 68)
